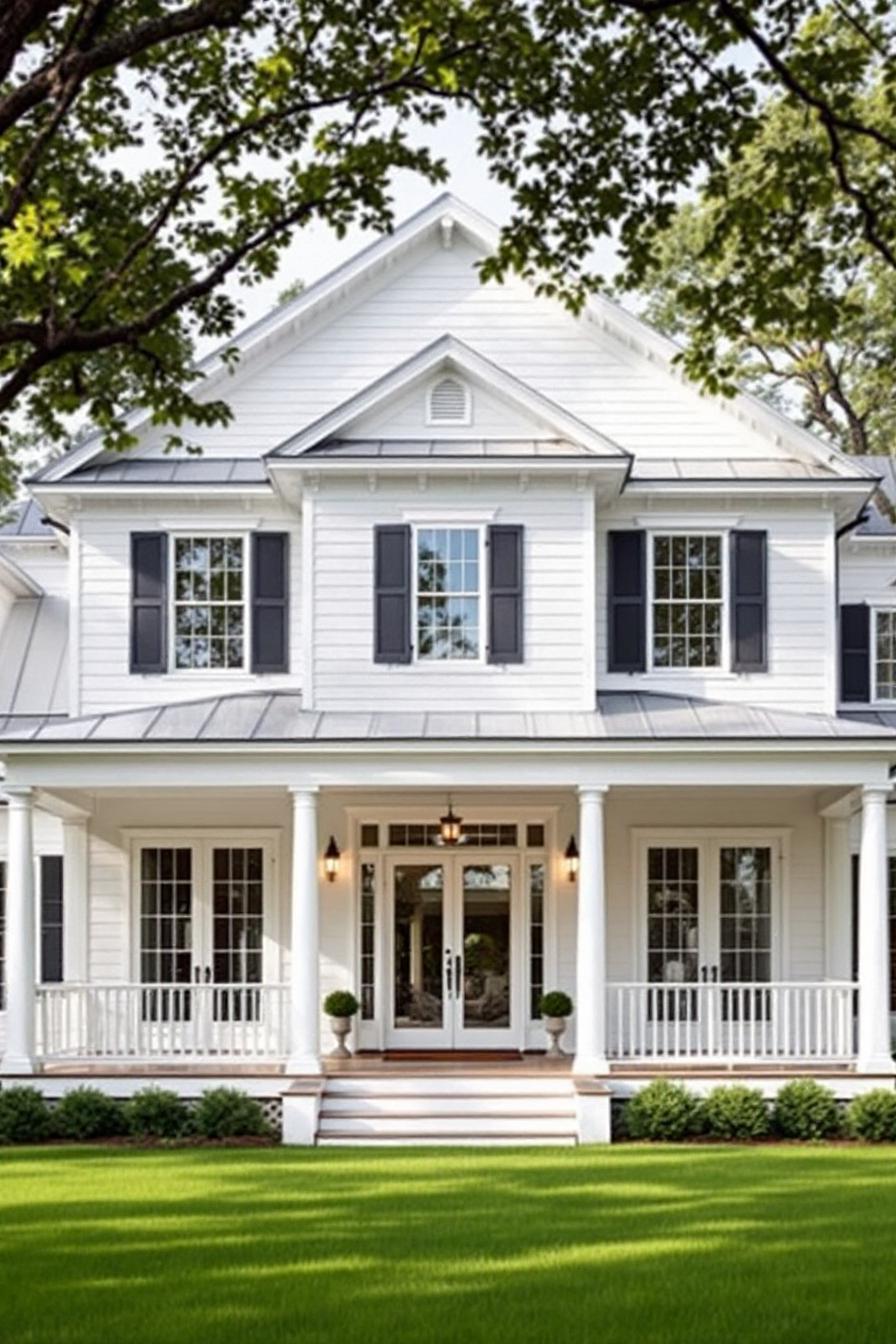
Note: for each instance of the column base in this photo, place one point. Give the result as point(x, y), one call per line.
point(881, 1064)
point(303, 1065)
point(589, 1065)
point(19, 1066)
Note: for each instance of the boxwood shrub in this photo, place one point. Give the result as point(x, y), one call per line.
point(736, 1112)
point(24, 1116)
point(663, 1110)
point(227, 1113)
point(805, 1109)
point(555, 1003)
point(87, 1113)
point(873, 1116)
point(154, 1113)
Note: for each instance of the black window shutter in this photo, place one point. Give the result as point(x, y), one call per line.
point(505, 593)
point(392, 593)
point(626, 601)
point(51, 919)
point(749, 601)
point(270, 602)
point(855, 652)
point(149, 566)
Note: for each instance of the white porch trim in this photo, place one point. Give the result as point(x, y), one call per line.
point(21, 953)
point(874, 1054)
point(591, 937)
point(304, 977)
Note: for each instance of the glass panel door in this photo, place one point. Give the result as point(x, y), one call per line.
point(421, 962)
point(166, 932)
point(486, 967)
point(673, 930)
point(745, 929)
point(237, 932)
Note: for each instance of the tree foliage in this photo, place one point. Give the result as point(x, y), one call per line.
point(840, 380)
point(155, 155)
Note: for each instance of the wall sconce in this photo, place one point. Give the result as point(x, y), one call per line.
point(331, 859)
point(571, 856)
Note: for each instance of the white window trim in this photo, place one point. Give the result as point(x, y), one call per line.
point(218, 534)
point(875, 698)
point(453, 663)
point(723, 667)
point(467, 418)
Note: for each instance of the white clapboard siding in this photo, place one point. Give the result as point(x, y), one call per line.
point(557, 611)
point(106, 682)
point(433, 291)
point(801, 635)
point(868, 572)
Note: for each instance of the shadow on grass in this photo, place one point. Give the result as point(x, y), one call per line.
point(666, 1244)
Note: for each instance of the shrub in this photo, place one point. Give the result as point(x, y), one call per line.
point(806, 1110)
point(24, 1116)
point(87, 1113)
point(227, 1113)
point(873, 1116)
point(736, 1112)
point(153, 1113)
point(555, 1004)
point(663, 1110)
point(341, 1003)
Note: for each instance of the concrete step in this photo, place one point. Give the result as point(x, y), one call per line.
point(438, 1123)
point(338, 1140)
point(450, 1103)
point(448, 1084)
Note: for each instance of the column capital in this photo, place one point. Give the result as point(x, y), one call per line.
point(304, 792)
point(872, 793)
point(19, 795)
point(592, 792)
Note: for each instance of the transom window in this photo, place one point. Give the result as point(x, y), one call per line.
point(449, 604)
point(209, 602)
point(687, 601)
point(885, 655)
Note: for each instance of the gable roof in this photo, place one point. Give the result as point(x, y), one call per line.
point(447, 352)
point(442, 216)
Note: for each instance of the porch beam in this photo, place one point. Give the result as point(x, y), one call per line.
point(21, 952)
point(591, 937)
point(874, 943)
point(304, 976)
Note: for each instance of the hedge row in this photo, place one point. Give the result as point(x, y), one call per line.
point(87, 1113)
point(802, 1110)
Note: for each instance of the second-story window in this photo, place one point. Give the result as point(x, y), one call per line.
point(885, 654)
point(448, 570)
point(688, 597)
point(209, 602)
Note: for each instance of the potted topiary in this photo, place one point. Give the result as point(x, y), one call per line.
point(341, 1006)
point(555, 1008)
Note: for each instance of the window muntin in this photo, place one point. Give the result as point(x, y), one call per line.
point(688, 598)
point(448, 576)
point(209, 603)
point(536, 937)
point(368, 941)
point(885, 654)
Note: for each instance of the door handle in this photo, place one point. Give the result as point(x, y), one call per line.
point(457, 977)
point(197, 974)
point(448, 971)
point(715, 975)
point(703, 975)
point(208, 975)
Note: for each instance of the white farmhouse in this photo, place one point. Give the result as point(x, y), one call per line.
point(479, 656)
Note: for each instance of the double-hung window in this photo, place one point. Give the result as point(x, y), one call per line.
point(885, 654)
point(448, 596)
point(687, 600)
point(209, 601)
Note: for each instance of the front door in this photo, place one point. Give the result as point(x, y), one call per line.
point(708, 941)
point(455, 934)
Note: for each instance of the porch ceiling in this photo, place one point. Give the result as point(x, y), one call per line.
point(278, 716)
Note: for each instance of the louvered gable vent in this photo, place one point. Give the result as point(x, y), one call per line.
point(448, 403)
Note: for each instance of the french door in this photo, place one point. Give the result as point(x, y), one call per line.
point(455, 947)
point(202, 924)
point(710, 910)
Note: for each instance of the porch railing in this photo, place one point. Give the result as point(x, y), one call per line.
point(791, 1022)
point(172, 1022)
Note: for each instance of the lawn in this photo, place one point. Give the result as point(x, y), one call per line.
point(558, 1246)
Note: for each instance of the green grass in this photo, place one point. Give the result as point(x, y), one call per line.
point(558, 1246)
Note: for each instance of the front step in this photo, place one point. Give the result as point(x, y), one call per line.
point(466, 1109)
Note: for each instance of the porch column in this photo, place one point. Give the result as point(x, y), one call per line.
point(591, 937)
point(21, 953)
point(874, 940)
point(304, 980)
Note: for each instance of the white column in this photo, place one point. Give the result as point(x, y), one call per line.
point(21, 953)
point(874, 941)
point(591, 937)
point(837, 899)
point(304, 1014)
point(75, 906)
